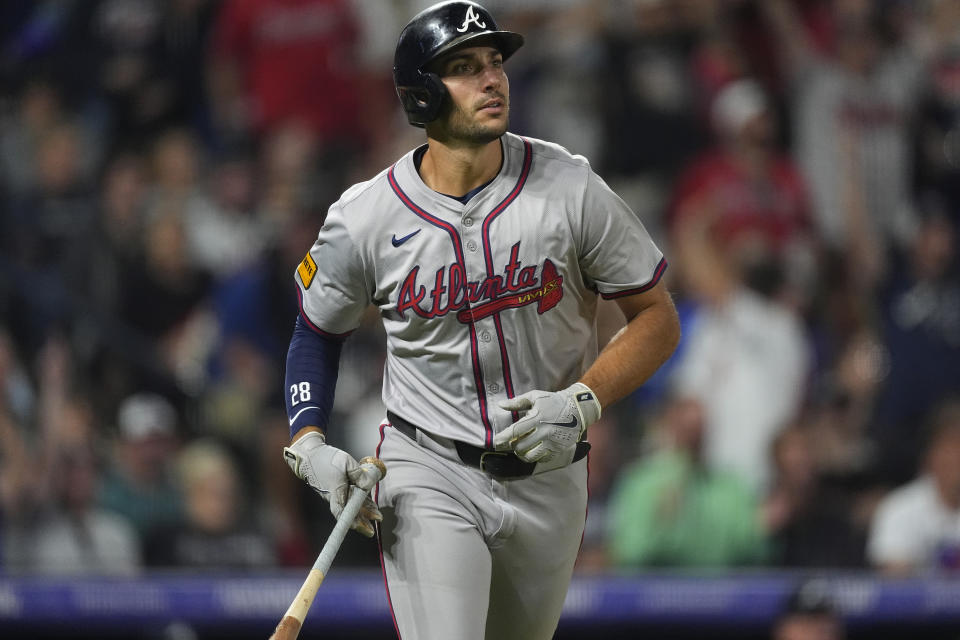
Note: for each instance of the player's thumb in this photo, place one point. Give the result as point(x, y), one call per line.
point(520, 403)
point(363, 478)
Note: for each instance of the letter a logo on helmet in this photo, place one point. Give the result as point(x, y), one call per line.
point(471, 17)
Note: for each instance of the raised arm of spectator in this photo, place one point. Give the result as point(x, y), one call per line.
point(864, 246)
point(790, 34)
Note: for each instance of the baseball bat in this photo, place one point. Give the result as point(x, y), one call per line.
point(289, 627)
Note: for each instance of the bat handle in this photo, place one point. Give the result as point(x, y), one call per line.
point(374, 471)
point(289, 627)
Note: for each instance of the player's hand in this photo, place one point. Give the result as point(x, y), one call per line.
point(331, 472)
point(550, 425)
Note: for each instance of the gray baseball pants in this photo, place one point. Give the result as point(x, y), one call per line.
point(470, 557)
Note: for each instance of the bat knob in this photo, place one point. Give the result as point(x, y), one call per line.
point(381, 468)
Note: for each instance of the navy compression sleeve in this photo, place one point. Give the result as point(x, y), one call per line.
point(313, 361)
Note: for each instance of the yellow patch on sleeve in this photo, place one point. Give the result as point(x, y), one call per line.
point(307, 269)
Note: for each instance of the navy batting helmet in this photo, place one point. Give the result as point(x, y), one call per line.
point(430, 34)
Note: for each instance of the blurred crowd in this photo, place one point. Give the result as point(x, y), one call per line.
point(164, 166)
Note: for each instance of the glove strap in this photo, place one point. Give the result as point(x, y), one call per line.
point(300, 449)
point(587, 402)
point(312, 440)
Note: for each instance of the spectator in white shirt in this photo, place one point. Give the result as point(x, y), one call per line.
point(746, 360)
point(917, 526)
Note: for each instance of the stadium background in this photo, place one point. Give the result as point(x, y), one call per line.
point(164, 165)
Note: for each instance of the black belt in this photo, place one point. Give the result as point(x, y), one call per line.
point(501, 464)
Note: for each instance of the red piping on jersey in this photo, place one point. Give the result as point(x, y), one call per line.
point(383, 566)
point(657, 274)
point(488, 258)
point(458, 252)
point(497, 210)
point(326, 334)
point(507, 377)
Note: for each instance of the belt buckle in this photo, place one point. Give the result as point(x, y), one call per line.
point(483, 458)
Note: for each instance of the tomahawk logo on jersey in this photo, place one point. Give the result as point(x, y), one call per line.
point(451, 290)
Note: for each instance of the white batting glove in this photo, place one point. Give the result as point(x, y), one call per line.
point(550, 425)
point(330, 472)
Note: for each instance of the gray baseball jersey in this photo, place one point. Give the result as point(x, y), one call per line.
point(480, 301)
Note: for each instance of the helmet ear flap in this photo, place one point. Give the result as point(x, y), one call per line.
point(423, 103)
point(438, 94)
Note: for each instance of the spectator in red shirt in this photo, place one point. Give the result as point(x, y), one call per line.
point(746, 196)
point(275, 61)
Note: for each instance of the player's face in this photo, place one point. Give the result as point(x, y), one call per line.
point(479, 107)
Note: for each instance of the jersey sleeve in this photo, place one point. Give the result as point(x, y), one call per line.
point(310, 377)
point(617, 256)
point(332, 287)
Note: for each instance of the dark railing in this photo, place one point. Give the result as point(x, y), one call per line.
point(352, 604)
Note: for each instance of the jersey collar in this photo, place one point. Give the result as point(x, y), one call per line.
point(411, 182)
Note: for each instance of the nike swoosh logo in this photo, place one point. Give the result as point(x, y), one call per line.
point(571, 424)
point(399, 241)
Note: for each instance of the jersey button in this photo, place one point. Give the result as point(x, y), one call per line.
point(493, 387)
point(471, 245)
point(485, 336)
point(468, 222)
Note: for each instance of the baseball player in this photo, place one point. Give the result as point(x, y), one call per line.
point(485, 254)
